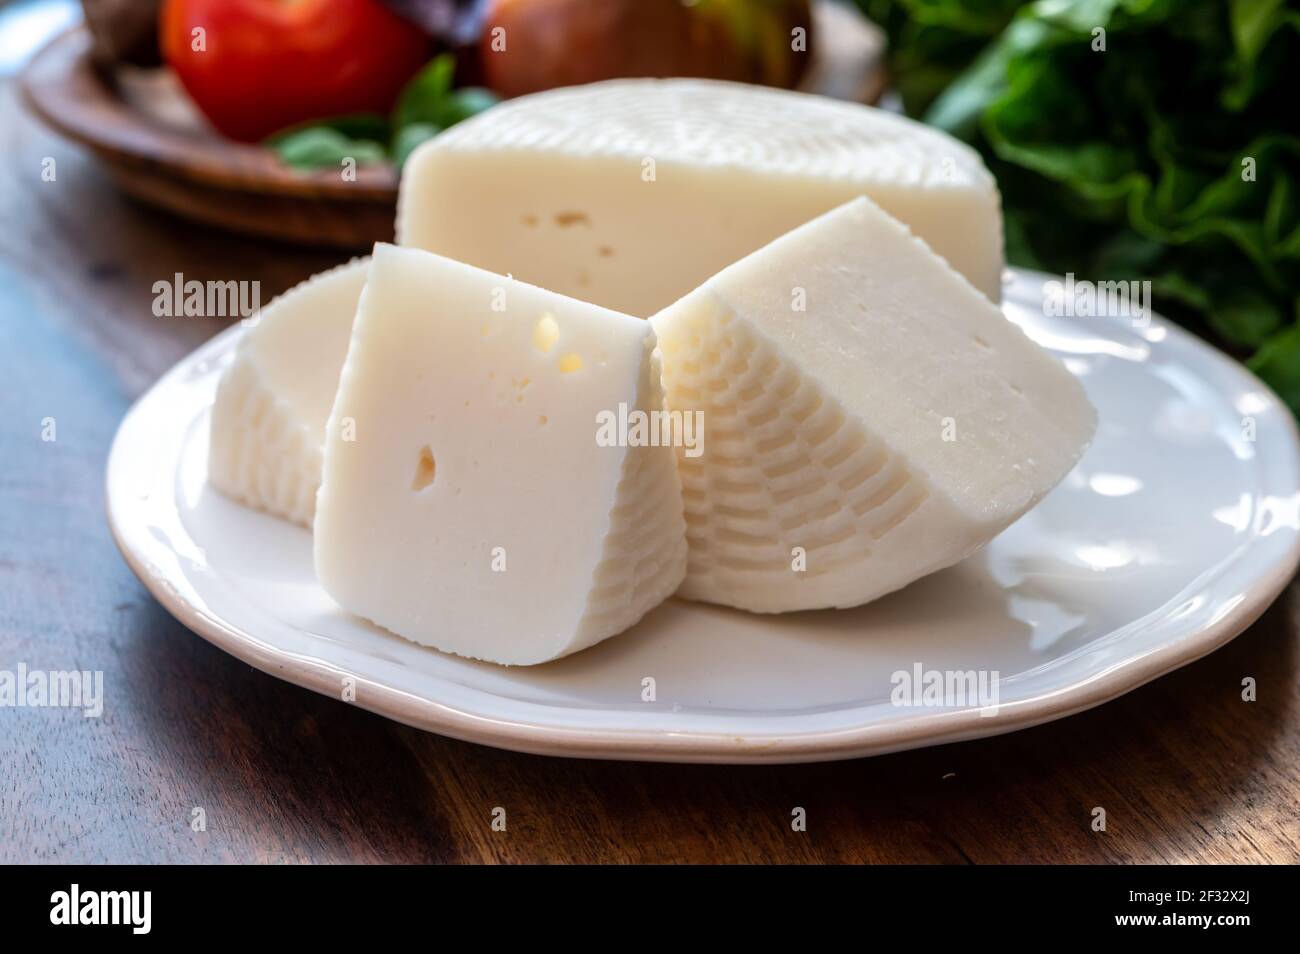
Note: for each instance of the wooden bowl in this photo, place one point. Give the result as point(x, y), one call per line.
point(154, 144)
point(157, 149)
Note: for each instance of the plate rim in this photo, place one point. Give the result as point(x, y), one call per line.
point(686, 745)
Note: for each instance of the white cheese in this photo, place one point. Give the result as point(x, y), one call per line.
point(466, 503)
point(630, 193)
point(869, 417)
point(268, 420)
point(627, 194)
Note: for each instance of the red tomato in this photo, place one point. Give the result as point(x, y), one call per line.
point(262, 65)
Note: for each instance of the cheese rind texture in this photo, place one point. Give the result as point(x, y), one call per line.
point(630, 193)
point(474, 510)
point(268, 419)
point(869, 417)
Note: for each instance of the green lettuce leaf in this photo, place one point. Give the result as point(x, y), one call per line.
point(1135, 139)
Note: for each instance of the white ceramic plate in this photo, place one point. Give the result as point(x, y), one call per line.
point(1172, 535)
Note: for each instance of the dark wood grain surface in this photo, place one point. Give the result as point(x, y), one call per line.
point(1185, 770)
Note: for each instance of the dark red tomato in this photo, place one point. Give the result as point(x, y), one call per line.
point(261, 65)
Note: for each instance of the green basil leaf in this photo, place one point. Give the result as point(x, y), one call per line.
point(409, 137)
point(318, 147)
point(426, 98)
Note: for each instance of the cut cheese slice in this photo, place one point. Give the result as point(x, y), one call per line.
point(630, 193)
point(466, 501)
point(869, 417)
point(268, 421)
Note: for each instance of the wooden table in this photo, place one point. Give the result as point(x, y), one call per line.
point(1185, 769)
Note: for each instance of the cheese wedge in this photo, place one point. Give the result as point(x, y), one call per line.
point(630, 193)
point(268, 420)
point(466, 502)
point(870, 417)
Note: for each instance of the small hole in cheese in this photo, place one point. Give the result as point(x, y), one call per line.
point(570, 363)
point(546, 333)
point(425, 468)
